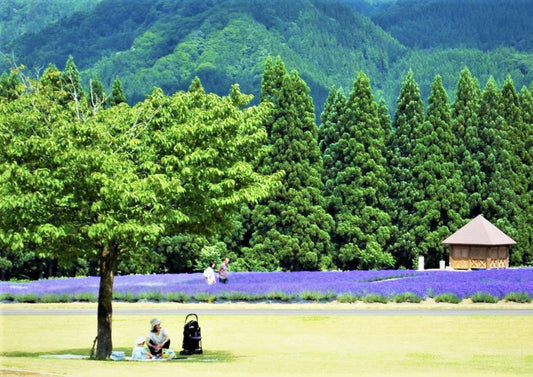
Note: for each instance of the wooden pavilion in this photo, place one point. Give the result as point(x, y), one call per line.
point(479, 245)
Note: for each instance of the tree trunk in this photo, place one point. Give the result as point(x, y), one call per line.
point(108, 263)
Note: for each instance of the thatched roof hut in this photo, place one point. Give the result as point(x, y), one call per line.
point(479, 244)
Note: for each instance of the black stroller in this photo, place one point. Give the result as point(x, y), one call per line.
point(192, 336)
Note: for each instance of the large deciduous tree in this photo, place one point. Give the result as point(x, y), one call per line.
point(106, 185)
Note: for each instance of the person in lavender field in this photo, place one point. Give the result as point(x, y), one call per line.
point(223, 272)
point(209, 274)
point(157, 339)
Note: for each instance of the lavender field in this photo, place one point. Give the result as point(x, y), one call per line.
point(349, 286)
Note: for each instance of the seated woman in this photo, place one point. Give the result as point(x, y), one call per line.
point(157, 338)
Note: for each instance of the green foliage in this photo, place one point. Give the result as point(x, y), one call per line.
point(355, 178)
point(521, 297)
point(407, 297)
point(375, 298)
point(479, 25)
point(126, 297)
point(178, 297)
point(31, 298)
point(317, 296)
point(166, 44)
point(484, 297)
point(347, 298)
point(405, 190)
point(448, 297)
point(151, 296)
point(291, 230)
point(85, 297)
point(280, 296)
point(205, 297)
point(440, 202)
point(9, 297)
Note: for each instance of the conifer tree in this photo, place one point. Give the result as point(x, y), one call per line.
point(525, 220)
point(291, 230)
point(408, 119)
point(329, 134)
point(442, 205)
point(465, 125)
point(117, 93)
point(96, 98)
point(517, 179)
point(71, 81)
point(363, 227)
point(492, 156)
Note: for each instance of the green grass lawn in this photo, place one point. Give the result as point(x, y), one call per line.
point(283, 346)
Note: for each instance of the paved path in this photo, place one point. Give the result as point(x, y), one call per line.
point(278, 311)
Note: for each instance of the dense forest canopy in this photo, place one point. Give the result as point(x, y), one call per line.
point(167, 43)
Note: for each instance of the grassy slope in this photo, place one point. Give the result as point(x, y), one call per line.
point(296, 346)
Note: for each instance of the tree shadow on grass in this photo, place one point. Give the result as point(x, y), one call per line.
point(218, 356)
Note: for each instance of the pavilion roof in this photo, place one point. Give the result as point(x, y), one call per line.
point(479, 231)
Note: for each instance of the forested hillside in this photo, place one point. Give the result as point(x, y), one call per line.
point(167, 43)
point(481, 24)
point(18, 17)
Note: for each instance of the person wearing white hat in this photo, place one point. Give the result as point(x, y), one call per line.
point(139, 352)
point(157, 338)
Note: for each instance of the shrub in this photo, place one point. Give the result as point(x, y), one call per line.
point(317, 296)
point(407, 297)
point(521, 297)
point(205, 297)
point(85, 297)
point(178, 297)
point(280, 296)
point(27, 297)
point(484, 297)
point(64, 297)
point(448, 297)
point(348, 298)
point(372, 298)
point(124, 296)
point(49, 298)
point(7, 297)
point(155, 296)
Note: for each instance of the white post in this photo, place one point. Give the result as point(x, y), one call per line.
point(442, 265)
point(421, 263)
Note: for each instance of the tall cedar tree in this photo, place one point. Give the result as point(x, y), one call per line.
point(465, 126)
point(329, 134)
point(71, 81)
point(440, 209)
point(493, 156)
point(107, 186)
point(525, 221)
point(117, 93)
point(518, 154)
point(363, 227)
point(291, 230)
point(405, 192)
point(96, 98)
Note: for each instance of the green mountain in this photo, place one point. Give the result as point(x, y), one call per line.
point(478, 24)
point(167, 43)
